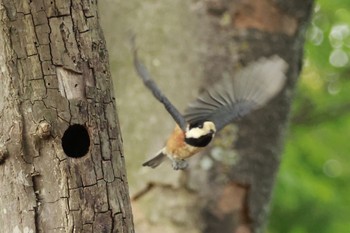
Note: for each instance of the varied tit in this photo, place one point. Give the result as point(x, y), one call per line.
point(227, 100)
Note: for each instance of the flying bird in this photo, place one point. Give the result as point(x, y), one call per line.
point(229, 99)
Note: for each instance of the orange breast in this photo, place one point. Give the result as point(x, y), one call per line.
point(177, 147)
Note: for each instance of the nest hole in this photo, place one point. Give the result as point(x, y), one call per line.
point(76, 141)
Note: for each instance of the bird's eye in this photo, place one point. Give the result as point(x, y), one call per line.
point(196, 125)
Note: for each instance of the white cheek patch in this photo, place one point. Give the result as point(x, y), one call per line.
point(196, 133)
point(208, 128)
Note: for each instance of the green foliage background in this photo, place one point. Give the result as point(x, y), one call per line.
point(312, 193)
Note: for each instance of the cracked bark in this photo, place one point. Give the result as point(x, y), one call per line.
point(229, 188)
point(54, 74)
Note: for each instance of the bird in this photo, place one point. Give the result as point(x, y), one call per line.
point(229, 99)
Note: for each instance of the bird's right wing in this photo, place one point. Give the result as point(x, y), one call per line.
point(232, 98)
point(148, 81)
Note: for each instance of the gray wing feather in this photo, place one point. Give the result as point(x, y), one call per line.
point(232, 98)
point(148, 81)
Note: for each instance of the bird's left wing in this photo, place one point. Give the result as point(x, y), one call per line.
point(148, 81)
point(232, 98)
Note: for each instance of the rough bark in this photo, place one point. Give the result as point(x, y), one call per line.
point(228, 189)
point(54, 77)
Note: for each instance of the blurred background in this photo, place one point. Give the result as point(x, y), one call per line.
point(312, 189)
point(312, 192)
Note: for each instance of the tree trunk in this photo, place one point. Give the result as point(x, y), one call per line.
point(61, 157)
point(228, 189)
point(239, 184)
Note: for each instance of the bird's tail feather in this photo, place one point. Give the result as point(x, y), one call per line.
point(155, 161)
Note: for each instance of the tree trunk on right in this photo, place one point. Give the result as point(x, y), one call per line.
point(240, 181)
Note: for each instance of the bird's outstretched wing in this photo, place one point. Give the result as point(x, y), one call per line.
point(232, 98)
point(148, 81)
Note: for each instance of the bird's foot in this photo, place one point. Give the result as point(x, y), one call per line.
point(180, 164)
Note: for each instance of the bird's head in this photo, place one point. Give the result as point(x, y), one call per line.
point(200, 134)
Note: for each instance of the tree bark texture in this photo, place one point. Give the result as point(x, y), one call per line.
point(229, 188)
point(55, 82)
